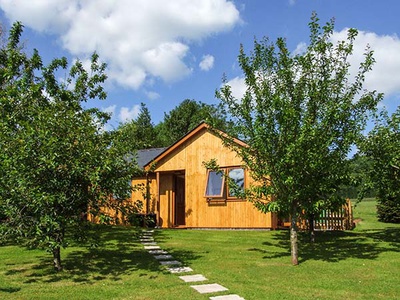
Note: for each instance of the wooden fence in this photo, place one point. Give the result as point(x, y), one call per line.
point(341, 219)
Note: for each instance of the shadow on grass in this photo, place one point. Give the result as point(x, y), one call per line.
point(10, 290)
point(334, 246)
point(120, 254)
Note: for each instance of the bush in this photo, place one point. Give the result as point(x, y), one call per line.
point(389, 210)
point(143, 220)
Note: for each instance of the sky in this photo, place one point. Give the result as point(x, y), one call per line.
point(162, 52)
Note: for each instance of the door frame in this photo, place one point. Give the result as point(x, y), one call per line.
point(179, 199)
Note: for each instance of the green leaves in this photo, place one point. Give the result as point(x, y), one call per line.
point(382, 146)
point(56, 161)
point(301, 115)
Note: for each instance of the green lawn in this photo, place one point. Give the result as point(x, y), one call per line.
point(359, 264)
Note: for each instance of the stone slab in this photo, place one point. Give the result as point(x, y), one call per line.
point(209, 288)
point(147, 231)
point(149, 243)
point(146, 234)
point(158, 251)
point(152, 247)
point(180, 270)
point(227, 297)
point(163, 257)
point(170, 262)
point(193, 278)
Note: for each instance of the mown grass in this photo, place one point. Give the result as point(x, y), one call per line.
point(359, 264)
point(119, 269)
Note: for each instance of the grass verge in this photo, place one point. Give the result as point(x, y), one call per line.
point(359, 264)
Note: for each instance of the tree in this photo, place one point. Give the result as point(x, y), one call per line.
point(138, 133)
point(382, 146)
point(360, 166)
point(56, 162)
point(146, 131)
point(186, 116)
point(300, 116)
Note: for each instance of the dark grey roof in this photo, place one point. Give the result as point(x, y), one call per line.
point(147, 155)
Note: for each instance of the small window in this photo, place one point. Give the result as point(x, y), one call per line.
point(215, 184)
point(236, 182)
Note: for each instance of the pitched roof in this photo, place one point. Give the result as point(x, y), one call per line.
point(145, 156)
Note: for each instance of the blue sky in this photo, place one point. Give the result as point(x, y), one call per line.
point(162, 52)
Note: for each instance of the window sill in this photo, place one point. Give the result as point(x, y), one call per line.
point(215, 200)
point(225, 200)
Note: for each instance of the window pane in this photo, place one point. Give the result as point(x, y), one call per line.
point(215, 182)
point(236, 179)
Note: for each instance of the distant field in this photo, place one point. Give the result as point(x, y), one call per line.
point(359, 264)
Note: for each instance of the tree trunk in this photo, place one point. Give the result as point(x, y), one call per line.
point(311, 228)
point(57, 259)
point(293, 237)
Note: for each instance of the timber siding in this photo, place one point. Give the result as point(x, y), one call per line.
point(178, 182)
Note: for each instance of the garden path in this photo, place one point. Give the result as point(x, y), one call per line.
point(176, 267)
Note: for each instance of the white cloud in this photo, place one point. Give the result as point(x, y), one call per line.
point(152, 95)
point(300, 49)
point(384, 76)
point(166, 61)
point(238, 87)
point(126, 114)
point(139, 39)
point(207, 63)
point(110, 109)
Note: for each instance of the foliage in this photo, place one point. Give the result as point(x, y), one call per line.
point(382, 146)
point(300, 116)
point(141, 133)
point(358, 187)
point(138, 133)
point(56, 162)
point(186, 116)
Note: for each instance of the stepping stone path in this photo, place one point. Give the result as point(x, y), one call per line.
point(209, 288)
point(152, 247)
point(165, 259)
point(180, 270)
point(149, 243)
point(227, 297)
point(157, 252)
point(193, 278)
point(170, 262)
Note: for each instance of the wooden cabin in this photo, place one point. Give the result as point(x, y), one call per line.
point(183, 193)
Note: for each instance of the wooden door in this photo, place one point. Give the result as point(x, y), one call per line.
point(179, 200)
